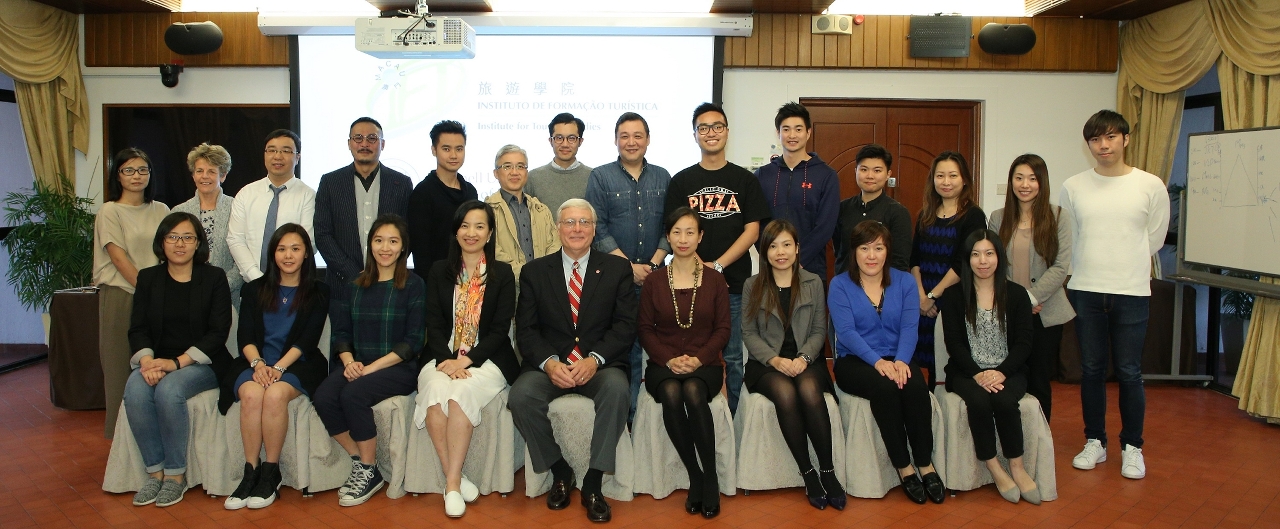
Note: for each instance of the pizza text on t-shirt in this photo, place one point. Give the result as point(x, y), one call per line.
point(714, 202)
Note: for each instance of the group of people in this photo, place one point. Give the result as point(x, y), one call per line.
point(598, 267)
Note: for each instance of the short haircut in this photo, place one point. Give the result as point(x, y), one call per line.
point(791, 110)
point(172, 221)
point(876, 151)
point(1104, 122)
point(447, 126)
point(576, 203)
point(216, 155)
point(508, 149)
point(708, 107)
point(297, 142)
point(114, 188)
point(680, 213)
point(867, 232)
point(630, 116)
point(566, 118)
point(365, 119)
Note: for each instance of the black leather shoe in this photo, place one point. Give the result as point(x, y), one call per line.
point(597, 509)
point(710, 494)
point(934, 488)
point(914, 489)
point(711, 512)
point(836, 497)
point(692, 506)
point(813, 490)
point(558, 498)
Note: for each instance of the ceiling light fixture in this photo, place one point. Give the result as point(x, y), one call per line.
point(579, 7)
point(988, 8)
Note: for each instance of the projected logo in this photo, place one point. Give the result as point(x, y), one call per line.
point(714, 202)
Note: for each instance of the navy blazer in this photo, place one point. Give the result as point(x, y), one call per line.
point(337, 228)
point(496, 312)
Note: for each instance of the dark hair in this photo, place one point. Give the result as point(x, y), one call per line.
point(565, 118)
point(966, 277)
point(679, 213)
point(933, 201)
point(764, 291)
point(630, 116)
point(297, 142)
point(115, 189)
point(1044, 223)
point(867, 232)
point(875, 151)
point(708, 107)
point(789, 110)
point(447, 126)
point(269, 293)
point(369, 276)
point(455, 248)
point(365, 119)
point(1104, 122)
point(172, 221)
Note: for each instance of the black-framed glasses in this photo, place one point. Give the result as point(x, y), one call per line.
point(707, 128)
point(361, 138)
point(185, 239)
point(274, 151)
point(508, 167)
point(129, 171)
point(572, 139)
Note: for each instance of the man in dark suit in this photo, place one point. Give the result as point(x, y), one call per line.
point(349, 200)
point(575, 323)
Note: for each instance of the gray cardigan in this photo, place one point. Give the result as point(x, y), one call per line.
point(219, 254)
point(1046, 281)
point(763, 332)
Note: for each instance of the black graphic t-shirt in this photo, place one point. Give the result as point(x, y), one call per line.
point(727, 199)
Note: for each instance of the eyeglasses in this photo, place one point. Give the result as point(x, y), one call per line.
point(573, 140)
point(173, 239)
point(129, 171)
point(360, 138)
point(571, 223)
point(274, 151)
point(507, 167)
point(716, 127)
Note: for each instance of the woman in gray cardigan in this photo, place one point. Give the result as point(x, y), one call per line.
point(784, 327)
point(1037, 235)
point(209, 165)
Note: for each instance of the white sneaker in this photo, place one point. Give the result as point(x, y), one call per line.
point(470, 492)
point(454, 506)
point(1092, 454)
point(1133, 466)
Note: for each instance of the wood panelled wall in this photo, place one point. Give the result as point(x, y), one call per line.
point(785, 41)
point(137, 39)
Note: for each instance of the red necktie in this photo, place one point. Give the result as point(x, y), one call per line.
point(575, 295)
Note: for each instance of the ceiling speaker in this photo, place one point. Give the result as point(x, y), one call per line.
point(1006, 39)
point(832, 25)
point(196, 38)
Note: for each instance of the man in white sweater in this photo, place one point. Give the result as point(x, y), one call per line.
point(1120, 214)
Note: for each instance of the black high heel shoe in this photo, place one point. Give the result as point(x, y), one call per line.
point(813, 489)
point(710, 494)
point(693, 503)
point(836, 497)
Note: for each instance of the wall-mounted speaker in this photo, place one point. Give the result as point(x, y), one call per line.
point(832, 25)
point(1007, 39)
point(940, 36)
point(196, 38)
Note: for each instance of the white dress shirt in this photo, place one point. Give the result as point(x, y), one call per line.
point(249, 218)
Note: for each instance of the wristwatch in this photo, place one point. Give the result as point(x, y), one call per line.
point(716, 265)
point(930, 295)
point(280, 369)
point(806, 358)
point(255, 363)
point(653, 266)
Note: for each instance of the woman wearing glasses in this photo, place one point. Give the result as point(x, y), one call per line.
point(180, 318)
point(122, 244)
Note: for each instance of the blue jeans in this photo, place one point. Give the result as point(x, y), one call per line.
point(734, 365)
point(158, 415)
point(1115, 324)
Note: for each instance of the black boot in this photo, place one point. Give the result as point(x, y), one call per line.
point(240, 498)
point(265, 490)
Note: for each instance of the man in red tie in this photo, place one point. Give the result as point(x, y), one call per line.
point(575, 323)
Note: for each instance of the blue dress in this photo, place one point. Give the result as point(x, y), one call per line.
point(277, 325)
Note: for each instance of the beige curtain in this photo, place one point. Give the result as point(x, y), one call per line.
point(39, 49)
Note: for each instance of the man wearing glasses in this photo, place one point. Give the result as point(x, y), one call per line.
point(350, 198)
point(564, 177)
point(733, 210)
point(264, 205)
point(524, 228)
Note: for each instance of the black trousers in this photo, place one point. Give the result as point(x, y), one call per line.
point(992, 412)
point(348, 406)
point(1042, 365)
point(903, 415)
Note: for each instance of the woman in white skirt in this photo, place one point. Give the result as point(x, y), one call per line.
point(468, 360)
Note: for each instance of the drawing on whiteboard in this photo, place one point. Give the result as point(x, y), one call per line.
point(1241, 189)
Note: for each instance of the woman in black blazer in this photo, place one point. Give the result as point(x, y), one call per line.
point(282, 317)
point(178, 331)
point(987, 327)
point(468, 360)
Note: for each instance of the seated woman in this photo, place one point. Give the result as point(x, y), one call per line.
point(875, 310)
point(471, 299)
point(378, 335)
point(282, 316)
point(178, 334)
point(784, 330)
point(684, 326)
point(987, 327)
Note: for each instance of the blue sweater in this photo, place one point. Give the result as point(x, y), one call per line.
point(861, 332)
point(809, 197)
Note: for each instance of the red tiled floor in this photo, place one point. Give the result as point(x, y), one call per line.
point(1208, 464)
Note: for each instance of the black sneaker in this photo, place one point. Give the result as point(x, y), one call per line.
point(240, 498)
point(367, 482)
point(266, 488)
point(347, 485)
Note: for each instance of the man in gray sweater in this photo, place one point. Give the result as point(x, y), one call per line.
point(564, 177)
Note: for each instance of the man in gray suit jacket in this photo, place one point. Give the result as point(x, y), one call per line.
point(349, 199)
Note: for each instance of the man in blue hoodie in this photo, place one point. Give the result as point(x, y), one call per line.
point(802, 188)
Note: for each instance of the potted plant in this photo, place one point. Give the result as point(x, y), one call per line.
point(1237, 308)
point(51, 246)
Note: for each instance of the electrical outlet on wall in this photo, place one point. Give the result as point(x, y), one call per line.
point(1002, 189)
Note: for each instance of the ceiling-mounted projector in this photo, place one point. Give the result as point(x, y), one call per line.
point(418, 37)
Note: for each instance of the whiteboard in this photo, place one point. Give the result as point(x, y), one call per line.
point(1233, 200)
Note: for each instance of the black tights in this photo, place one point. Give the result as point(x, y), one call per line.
point(688, 420)
point(802, 409)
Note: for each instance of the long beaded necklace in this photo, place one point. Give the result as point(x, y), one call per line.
point(671, 283)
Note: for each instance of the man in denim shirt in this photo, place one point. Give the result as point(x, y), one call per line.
point(628, 195)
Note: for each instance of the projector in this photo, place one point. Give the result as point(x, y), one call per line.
point(424, 37)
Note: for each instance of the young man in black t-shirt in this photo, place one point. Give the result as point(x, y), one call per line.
point(733, 210)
